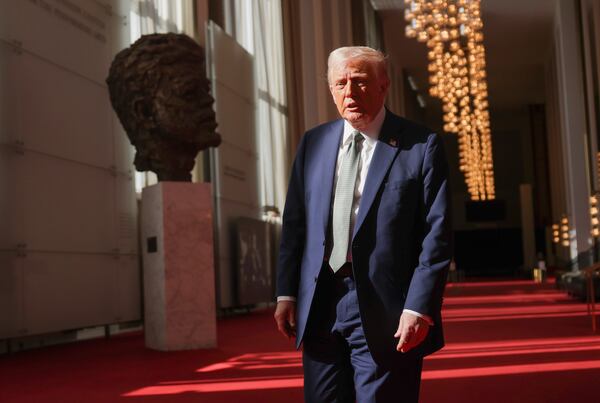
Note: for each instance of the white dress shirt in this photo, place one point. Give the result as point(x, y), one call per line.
point(370, 134)
point(367, 147)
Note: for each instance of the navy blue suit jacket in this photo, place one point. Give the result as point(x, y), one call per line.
point(401, 245)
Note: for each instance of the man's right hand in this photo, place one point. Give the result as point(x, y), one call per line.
point(285, 317)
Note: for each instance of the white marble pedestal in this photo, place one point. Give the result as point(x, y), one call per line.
point(179, 279)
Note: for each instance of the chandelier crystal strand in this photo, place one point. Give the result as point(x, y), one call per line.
point(452, 31)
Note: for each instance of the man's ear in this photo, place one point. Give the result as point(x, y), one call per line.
point(385, 85)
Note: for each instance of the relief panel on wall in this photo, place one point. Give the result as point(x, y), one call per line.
point(67, 200)
point(239, 131)
point(8, 94)
point(234, 167)
point(46, 186)
point(236, 181)
point(10, 220)
point(67, 291)
point(127, 304)
point(64, 31)
point(11, 289)
point(72, 114)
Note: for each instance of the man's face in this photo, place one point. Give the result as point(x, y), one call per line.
point(358, 90)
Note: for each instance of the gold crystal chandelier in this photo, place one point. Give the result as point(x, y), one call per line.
point(452, 31)
point(595, 215)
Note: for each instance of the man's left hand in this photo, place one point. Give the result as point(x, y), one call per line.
point(412, 330)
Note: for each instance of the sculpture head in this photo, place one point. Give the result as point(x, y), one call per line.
point(159, 90)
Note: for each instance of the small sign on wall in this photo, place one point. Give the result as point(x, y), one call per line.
point(151, 244)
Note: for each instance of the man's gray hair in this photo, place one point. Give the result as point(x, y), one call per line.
point(357, 52)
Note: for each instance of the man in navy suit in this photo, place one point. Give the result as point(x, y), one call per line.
point(366, 243)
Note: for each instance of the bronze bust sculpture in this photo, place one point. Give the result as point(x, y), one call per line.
point(159, 90)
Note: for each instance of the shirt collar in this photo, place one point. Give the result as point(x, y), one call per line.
point(370, 133)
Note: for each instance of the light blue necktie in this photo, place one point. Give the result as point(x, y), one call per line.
point(342, 204)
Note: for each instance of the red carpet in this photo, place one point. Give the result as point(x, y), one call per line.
point(511, 341)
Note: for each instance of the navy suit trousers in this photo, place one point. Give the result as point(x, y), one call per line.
point(338, 366)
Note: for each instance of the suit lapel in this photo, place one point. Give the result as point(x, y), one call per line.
point(328, 158)
point(386, 150)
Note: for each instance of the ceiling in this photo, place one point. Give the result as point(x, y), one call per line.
point(517, 38)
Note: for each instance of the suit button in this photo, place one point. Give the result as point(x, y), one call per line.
point(323, 243)
point(316, 278)
point(355, 246)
